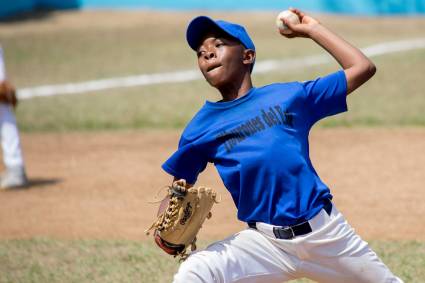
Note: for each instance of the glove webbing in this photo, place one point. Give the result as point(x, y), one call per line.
point(168, 217)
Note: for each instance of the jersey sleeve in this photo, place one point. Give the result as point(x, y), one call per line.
point(187, 162)
point(326, 96)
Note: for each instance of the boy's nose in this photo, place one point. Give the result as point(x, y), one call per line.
point(209, 55)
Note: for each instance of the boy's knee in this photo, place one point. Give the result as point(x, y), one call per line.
point(197, 269)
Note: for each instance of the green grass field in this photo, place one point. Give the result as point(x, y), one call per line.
point(74, 47)
point(44, 260)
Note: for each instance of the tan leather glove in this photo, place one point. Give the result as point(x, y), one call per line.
point(8, 93)
point(181, 216)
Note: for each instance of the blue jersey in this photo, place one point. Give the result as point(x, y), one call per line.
point(259, 145)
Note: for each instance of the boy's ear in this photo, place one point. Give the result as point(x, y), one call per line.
point(249, 56)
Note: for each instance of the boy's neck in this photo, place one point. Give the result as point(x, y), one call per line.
point(236, 89)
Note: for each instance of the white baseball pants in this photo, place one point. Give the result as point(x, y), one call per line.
point(332, 253)
point(10, 142)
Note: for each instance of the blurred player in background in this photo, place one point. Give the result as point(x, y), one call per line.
point(14, 174)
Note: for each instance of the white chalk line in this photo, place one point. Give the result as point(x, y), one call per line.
point(191, 75)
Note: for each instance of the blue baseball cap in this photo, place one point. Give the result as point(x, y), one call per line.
point(202, 24)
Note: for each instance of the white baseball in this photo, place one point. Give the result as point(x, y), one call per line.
point(289, 16)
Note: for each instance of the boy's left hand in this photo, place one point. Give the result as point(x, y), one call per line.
point(302, 29)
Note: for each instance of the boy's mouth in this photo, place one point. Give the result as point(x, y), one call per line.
point(213, 67)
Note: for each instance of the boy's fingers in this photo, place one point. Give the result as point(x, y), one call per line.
point(291, 35)
point(289, 24)
point(294, 10)
point(298, 12)
point(288, 35)
point(301, 15)
point(297, 29)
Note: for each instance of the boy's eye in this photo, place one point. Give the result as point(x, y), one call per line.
point(218, 44)
point(199, 53)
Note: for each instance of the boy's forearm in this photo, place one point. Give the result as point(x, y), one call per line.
point(357, 66)
point(341, 50)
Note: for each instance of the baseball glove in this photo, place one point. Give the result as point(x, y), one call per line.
point(7, 93)
point(180, 217)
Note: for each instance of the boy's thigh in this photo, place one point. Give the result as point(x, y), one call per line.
point(244, 257)
point(364, 267)
point(337, 253)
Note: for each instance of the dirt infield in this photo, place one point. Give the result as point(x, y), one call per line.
point(96, 185)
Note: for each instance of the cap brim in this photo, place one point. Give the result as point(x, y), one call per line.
point(197, 29)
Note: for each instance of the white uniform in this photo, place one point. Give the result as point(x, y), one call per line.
point(10, 142)
point(331, 253)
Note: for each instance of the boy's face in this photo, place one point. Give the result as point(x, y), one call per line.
point(221, 59)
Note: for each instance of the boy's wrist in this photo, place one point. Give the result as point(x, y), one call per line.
point(315, 29)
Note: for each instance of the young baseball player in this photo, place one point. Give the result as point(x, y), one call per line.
point(14, 175)
point(257, 137)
